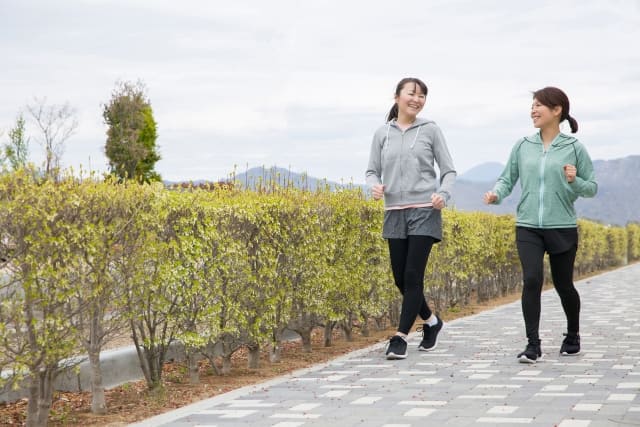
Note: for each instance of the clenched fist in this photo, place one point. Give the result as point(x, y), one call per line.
point(570, 172)
point(377, 191)
point(490, 197)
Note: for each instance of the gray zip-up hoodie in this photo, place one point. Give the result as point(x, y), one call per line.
point(404, 163)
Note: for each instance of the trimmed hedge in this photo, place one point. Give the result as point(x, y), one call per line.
point(218, 269)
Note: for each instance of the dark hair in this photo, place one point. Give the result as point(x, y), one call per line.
point(393, 113)
point(552, 97)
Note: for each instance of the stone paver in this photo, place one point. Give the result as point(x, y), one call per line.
point(471, 378)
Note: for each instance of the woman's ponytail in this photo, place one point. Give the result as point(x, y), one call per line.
point(393, 113)
point(573, 124)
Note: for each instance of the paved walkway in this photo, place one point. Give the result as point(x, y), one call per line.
point(471, 378)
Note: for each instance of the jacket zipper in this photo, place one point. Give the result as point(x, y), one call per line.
point(541, 177)
point(402, 154)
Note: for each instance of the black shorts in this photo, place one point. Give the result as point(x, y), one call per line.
point(553, 240)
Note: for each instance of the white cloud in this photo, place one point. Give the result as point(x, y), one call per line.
point(305, 84)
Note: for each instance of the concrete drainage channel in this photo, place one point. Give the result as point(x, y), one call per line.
point(119, 366)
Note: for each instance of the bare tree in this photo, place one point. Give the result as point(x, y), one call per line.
point(56, 123)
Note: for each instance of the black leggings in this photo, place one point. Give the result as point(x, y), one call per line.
point(531, 258)
point(408, 261)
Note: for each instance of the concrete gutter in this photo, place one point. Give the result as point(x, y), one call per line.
point(119, 366)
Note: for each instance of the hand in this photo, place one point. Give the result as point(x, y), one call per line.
point(377, 191)
point(570, 172)
point(437, 201)
point(490, 197)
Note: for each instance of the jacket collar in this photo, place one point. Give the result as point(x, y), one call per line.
point(560, 139)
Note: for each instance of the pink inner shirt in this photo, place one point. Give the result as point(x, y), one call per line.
point(417, 205)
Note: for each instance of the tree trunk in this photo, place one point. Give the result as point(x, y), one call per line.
point(347, 328)
point(32, 405)
point(153, 354)
point(381, 322)
point(226, 364)
point(98, 401)
point(192, 363)
point(144, 365)
point(306, 339)
point(364, 326)
point(328, 333)
point(254, 356)
point(46, 396)
point(40, 397)
point(394, 312)
point(275, 352)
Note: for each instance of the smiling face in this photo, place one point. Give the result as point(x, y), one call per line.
point(410, 100)
point(544, 116)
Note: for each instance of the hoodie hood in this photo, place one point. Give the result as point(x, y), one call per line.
point(417, 123)
point(560, 140)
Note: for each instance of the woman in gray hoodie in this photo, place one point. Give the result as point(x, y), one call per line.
point(401, 170)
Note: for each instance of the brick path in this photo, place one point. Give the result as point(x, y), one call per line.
point(471, 378)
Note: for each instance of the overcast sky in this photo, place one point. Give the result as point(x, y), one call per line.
point(303, 85)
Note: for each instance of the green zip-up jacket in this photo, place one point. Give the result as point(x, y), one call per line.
point(547, 198)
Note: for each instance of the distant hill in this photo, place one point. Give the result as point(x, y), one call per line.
point(483, 172)
point(268, 177)
point(616, 202)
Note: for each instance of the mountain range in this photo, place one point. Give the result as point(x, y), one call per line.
point(616, 203)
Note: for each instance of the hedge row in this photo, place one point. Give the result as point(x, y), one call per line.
point(221, 269)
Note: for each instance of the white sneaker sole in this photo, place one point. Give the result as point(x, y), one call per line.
point(421, 348)
point(565, 354)
point(525, 359)
point(393, 356)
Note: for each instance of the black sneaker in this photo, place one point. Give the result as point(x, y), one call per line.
point(531, 354)
point(571, 345)
point(430, 335)
point(397, 348)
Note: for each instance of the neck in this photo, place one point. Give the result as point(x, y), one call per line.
point(548, 134)
point(405, 120)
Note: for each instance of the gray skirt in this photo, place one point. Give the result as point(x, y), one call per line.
point(400, 223)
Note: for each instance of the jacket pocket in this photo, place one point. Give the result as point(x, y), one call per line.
point(568, 211)
point(527, 210)
point(522, 203)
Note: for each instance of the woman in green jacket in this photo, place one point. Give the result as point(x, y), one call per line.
point(554, 169)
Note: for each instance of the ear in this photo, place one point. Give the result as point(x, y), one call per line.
point(557, 111)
